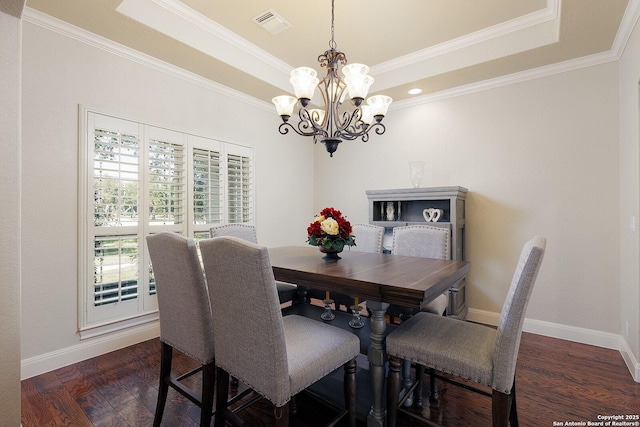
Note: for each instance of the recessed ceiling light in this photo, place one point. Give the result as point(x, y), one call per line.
point(414, 91)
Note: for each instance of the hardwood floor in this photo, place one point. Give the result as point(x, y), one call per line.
point(558, 381)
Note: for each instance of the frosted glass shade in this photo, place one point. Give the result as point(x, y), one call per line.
point(379, 104)
point(354, 69)
point(358, 85)
point(367, 114)
point(357, 80)
point(304, 81)
point(284, 104)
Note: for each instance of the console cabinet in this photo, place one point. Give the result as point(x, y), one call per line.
point(414, 206)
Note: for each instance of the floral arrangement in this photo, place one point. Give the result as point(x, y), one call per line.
point(331, 230)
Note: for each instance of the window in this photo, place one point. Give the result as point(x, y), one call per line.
point(139, 180)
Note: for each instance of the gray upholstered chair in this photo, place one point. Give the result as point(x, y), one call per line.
point(368, 239)
point(428, 242)
point(276, 356)
point(467, 350)
point(186, 321)
point(286, 291)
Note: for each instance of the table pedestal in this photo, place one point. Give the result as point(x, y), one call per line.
point(377, 359)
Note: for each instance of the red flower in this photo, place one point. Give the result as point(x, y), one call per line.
point(317, 236)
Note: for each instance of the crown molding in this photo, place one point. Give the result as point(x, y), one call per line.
point(526, 32)
point(176, 20)
point(631, 16)
point(65, 29)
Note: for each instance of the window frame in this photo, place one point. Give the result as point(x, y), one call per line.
point(96, 320)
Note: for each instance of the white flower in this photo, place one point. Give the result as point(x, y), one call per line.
point(329, 226)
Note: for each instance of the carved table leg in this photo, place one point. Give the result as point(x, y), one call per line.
point(377, 358)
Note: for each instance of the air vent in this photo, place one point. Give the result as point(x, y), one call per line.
point(272, 22)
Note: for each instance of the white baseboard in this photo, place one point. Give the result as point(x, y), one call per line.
point(87, 349)
point(95, 347)
point(569, 333)
point(632, 363)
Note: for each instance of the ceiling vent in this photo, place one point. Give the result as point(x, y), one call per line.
point(272, 22)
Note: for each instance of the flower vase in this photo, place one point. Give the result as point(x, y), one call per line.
point(330, 253)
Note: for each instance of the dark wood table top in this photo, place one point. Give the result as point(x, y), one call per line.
point(407, 281)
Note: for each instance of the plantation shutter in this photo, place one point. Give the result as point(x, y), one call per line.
point(239, 186)
point(138, 180)
point(167, 183)
point(207, 194)
point(115, 204)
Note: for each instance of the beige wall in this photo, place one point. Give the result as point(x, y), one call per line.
point(538, 157)
point(10, 141)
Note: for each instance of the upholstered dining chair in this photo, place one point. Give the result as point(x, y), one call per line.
point(428, 242)
point(286, 291)
point(467, 350)
point(276, 356)
point(368, 238)
point(186, 321)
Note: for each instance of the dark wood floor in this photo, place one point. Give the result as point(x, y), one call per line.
point(557, 381)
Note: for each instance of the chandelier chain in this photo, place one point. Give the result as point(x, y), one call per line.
point(332, 42)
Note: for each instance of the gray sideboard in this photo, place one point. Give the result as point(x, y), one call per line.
point(405, 206)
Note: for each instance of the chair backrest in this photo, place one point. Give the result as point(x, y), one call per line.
point(512, 317)
point(249, 331)
point(368, 238)
point(183, 298)
point(422, 241)
point(243, 231)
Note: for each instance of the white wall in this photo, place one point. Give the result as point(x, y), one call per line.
point(538, 157)
point(10, 50)
point(59, 73)
point(629, 195)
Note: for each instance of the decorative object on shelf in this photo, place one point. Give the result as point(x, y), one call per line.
point(432, 214)
point(391, 212)
point(331, 232)
point(334, 122)
point(416, 172)
point(356, 322)
point(327, 314)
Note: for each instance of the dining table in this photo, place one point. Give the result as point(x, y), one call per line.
point(380, 279)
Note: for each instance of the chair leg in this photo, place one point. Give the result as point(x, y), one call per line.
point(393, 390)
point(166, 355)
point(513, 414)
point(222, 393)
point(500, 405)
point(208, 383)
point(280, 415)
point(417, 392)
point(433, 393)
point(350, 390)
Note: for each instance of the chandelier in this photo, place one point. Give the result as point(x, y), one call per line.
point(334, 123)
